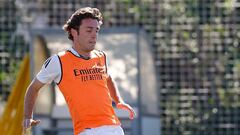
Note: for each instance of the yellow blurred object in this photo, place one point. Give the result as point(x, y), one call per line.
point(28, 131)
point(11, 120)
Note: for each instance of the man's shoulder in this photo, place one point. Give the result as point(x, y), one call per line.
point(62, 53)
point(51, 62)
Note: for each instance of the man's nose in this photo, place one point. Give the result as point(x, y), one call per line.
point(94, 34)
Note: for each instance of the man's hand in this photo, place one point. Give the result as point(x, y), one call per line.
point(127, 107)
point(27, 123)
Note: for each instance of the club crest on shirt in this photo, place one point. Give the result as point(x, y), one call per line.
point(99, 64)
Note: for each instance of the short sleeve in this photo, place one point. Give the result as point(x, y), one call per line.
point(50, 71)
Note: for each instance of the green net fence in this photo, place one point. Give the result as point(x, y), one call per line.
point(195, 47)
point(12, 47)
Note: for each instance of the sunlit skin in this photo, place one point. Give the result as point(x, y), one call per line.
point(84, 40)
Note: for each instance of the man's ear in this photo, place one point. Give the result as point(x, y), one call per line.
point(74, 32)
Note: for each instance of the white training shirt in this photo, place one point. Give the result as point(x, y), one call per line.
point(51, 69)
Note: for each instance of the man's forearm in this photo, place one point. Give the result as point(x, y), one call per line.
point(114, 92)
point(30, 98)
point(29, 102)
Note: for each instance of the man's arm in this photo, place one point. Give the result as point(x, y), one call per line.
point(114, 92)
point(29, 101)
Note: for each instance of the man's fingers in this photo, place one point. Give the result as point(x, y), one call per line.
point(35, 122)
point(27, 123)
point(132, 113)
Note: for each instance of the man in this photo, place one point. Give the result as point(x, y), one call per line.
point(81, 74)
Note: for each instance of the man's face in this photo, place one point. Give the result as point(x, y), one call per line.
point(87, 36)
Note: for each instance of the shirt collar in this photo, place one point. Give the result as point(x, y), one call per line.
point(74, 52)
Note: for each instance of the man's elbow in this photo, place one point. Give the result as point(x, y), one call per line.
point(34, 87)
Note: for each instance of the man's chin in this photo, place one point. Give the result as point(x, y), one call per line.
point(91, 49)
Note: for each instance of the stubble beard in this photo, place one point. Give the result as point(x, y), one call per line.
point(92, 47)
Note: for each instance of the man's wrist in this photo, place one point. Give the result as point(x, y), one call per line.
point(27, 117)
point(120, 102)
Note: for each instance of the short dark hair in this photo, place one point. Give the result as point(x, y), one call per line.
point(76, 19)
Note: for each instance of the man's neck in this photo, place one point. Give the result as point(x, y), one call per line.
point(82, 53)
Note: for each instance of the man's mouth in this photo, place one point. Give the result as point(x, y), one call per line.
point(92, 42)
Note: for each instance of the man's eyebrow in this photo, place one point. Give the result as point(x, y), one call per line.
point(89, 27)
